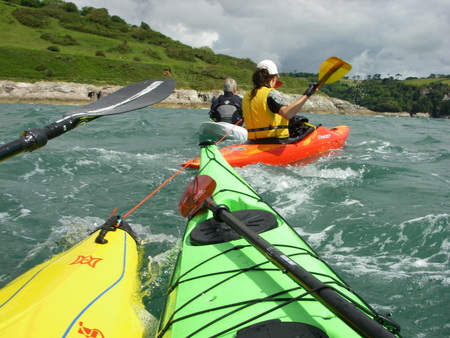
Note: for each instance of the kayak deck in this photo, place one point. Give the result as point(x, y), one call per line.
point(318, 143)
point(215, 131)
point(91, 289)
point(227, 288)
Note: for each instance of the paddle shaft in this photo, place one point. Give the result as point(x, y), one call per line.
point(345, 310)
point(132, 97)
point(36, 138)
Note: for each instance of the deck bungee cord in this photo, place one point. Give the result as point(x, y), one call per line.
point(223, 286)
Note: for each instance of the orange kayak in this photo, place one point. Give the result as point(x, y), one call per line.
point(318, 143)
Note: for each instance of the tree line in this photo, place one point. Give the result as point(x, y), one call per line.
point(392, 95)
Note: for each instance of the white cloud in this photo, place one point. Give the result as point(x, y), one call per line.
point(192, 37)
point(410, 37)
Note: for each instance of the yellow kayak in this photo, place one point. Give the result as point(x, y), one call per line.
point(90, 290)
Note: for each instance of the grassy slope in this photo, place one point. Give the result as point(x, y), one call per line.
point(23, 51)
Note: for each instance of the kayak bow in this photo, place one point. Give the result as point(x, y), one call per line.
point(222, 285)
point(91, 289)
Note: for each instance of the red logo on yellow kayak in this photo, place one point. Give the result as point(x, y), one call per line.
point(89, 260)
point(90, 333)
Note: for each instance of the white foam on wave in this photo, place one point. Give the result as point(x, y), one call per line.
point(114, 155)
point(4, 217)
point(34, 172)
point(289, 203)
point(292, 187)
point(388, 267)
point(289, 191)
point(263, 179)
point(68, 170)
point(336, 174)
point(85, 162)
point(146, 235)
point(317, 238)
point(418, 263)
point(352, 202)
point(429, 225)
point(373, 149)
point(23, 213)
point(443, 179)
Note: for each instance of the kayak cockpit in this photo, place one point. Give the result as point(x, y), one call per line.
point(214, 232)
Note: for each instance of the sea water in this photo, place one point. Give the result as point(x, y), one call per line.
point(378, 210)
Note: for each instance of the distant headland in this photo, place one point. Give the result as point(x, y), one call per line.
point(67, 93)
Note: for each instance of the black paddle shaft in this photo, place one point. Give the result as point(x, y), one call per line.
point(36, 138)
point(345, 310)
point(132, 97)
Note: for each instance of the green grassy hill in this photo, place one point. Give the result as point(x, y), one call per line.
point(427, 81)
point(53, 40)
point(59, 42)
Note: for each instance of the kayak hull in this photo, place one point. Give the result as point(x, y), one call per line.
point(223, 287)
point(215, 131)
point(318, 143)
point(91, 289)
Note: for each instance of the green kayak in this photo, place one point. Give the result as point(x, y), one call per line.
point(244, 272)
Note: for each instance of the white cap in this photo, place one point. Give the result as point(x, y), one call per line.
point(269, 65)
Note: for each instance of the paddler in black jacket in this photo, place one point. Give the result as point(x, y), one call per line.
point(228, 106)
point(268, 117)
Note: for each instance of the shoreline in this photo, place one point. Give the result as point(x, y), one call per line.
point(68, 93)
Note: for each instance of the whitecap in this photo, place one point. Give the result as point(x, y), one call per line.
point(23, 213)
point(35, 171)
point(352, 202)
point(314, 239)
point(420, 263)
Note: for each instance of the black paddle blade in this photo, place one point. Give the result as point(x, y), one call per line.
point(132, 97)
point(196, 193)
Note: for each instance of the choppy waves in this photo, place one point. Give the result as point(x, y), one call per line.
point(376, 210)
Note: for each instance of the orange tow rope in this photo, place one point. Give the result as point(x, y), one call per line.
point(154, 192)
point(171, 177)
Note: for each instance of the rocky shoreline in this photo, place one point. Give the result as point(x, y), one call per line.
point(66, 93)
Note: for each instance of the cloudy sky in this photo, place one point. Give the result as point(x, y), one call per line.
point(387, 37)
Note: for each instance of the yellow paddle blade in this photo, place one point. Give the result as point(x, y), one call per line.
point(332, 70)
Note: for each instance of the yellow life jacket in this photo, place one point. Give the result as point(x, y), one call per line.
point(259, 120)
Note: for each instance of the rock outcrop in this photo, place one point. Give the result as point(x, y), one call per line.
point(82, 94)
point(52, 92)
